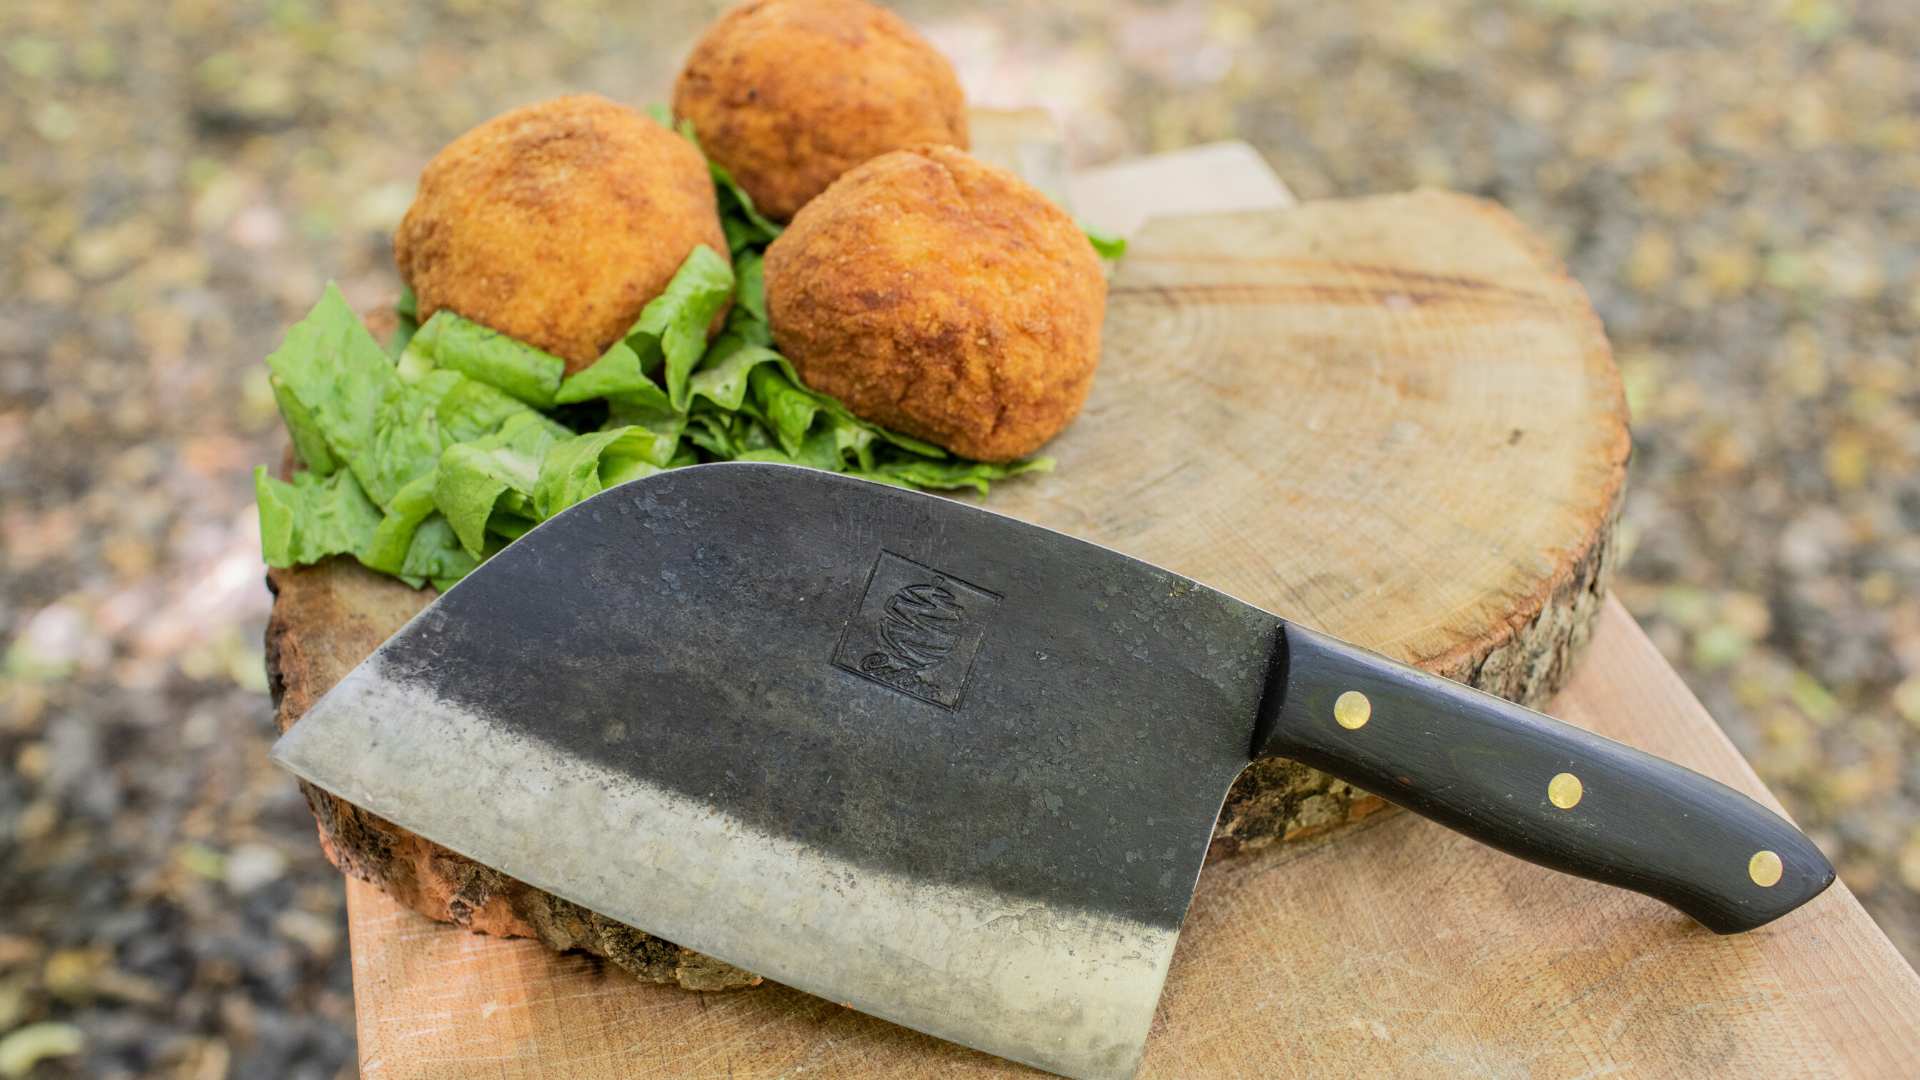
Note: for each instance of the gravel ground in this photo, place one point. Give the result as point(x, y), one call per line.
point(1734, 182)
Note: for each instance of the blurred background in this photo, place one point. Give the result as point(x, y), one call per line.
point(1735, 182)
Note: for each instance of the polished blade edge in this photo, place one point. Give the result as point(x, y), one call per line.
point(1049, 985)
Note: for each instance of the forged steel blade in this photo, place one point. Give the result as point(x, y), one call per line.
point(858, 740)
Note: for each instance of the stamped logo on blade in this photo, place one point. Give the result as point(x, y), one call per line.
point(917, 630)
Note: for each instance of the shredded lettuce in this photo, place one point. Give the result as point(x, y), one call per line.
point(586, 465)
point(337, 378)
point(406, 311)
point(615, 376)
point(1109, 246)
point(674, 324)
point(426, 457)
point(313, 517)
point(745, 226)
point(436, 556)
point(393, 538)
point(309, 445)
point(488, 356)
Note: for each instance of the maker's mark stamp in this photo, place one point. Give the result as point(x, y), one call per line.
point(917, 630)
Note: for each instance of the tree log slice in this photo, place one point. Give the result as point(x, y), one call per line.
point(1394, 419)
point(326, 619)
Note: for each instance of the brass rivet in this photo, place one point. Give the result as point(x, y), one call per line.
point(1765, 868)
point(1564, 791)
point(1353, 710)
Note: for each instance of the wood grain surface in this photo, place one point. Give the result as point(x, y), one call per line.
point(1392, 949)
point(1393, 419)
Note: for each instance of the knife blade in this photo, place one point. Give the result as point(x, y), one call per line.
point(952, 769)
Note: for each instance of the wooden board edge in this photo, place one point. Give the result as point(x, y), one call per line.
point(1532, 657)
point(1831, 943)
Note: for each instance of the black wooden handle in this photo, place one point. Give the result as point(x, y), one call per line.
point(1534, 787)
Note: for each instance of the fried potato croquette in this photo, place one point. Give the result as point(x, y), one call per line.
point(943, 297)
point(789, 94)
point(556, 223)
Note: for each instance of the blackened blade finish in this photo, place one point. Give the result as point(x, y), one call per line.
point(953, 769)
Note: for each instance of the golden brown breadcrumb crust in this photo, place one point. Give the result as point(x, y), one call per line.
point(944, 297)
point(789, 94)
point(556, 223)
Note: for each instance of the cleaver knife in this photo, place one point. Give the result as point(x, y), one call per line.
point(949, 768)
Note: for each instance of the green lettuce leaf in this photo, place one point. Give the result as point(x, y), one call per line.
point(673, 326)
point(725, 383)
point(751, 291)
point(488, 356)
point(387, 551)
point(1109, 246)
point(816, 450)
point(844, 416)
point(313, 517)
point(474, 476)
point(745, 227)
point(616, 376)
point(347, 403)
point(788, 408)
point(747, 321)
point(466, 489)
point(406, 314)
point(469, 483)
point(589, 464)
point(331, 367)
point(436, 556)
point(666, 423)
point(509, 526)
point(921, 473)
point(309, 444)
point(632, 398)
point(751, 406)
point(422, 415)
point(466, 409)
point(405, 443)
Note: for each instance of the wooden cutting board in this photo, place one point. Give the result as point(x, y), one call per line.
point(1394, 949)
point(1395, 419)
